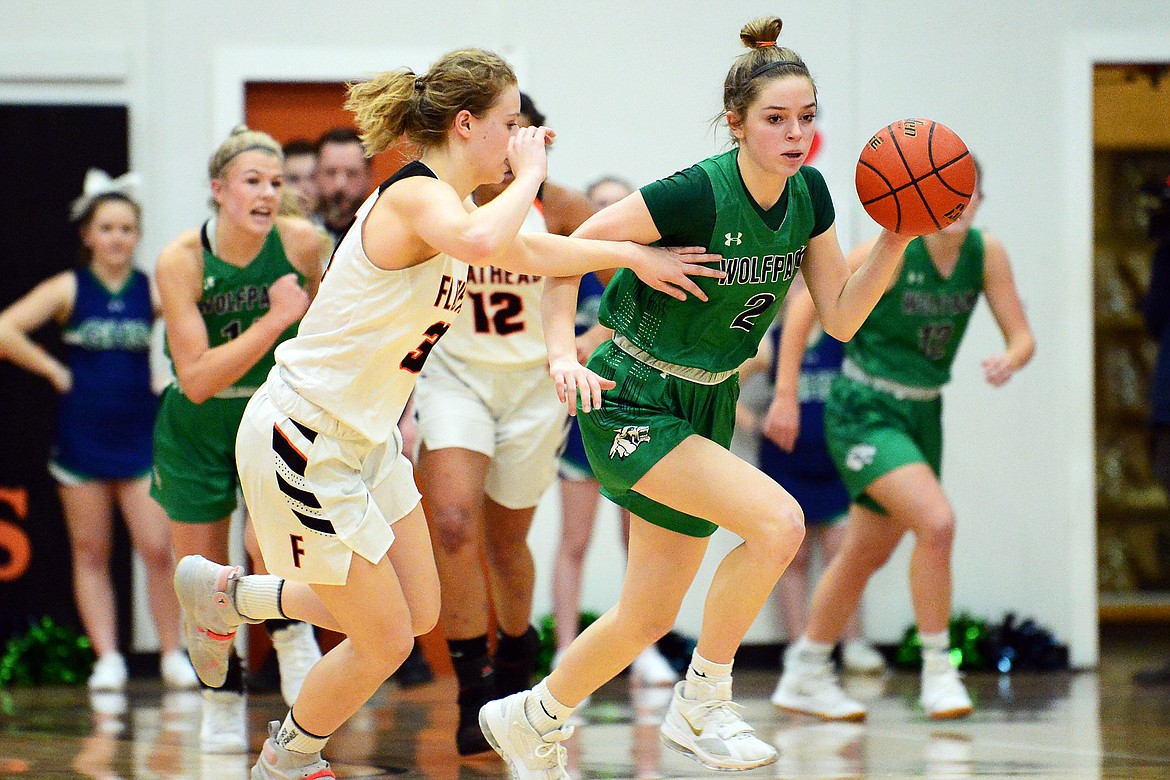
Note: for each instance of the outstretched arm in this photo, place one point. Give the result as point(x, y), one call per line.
point(1004, 299)
point(52, 299)
point(845, 293)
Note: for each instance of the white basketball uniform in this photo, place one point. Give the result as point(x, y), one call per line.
point(486, 387)
point(319, 453)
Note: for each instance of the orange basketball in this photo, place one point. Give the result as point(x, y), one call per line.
point(915, 177)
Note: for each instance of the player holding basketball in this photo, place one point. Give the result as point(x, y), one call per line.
point(331, 493)
point(658, 444)
point(884, 430)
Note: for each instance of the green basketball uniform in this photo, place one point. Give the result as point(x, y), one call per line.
point(675, 361)
point(194, 475)
point(885, 410)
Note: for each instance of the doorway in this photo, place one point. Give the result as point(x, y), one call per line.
point(1131, 154)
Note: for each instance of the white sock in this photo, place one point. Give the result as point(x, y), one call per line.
point(544, 712)
point(258, 596)
point(936, 648)
point(806, 651)
point(295, 739)
point(703, 676)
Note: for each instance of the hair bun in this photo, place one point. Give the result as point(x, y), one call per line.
point(240, 128)
point(761, 33)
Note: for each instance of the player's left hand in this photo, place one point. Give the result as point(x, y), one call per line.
point(998, 369)
point(669, 270)
point(572, 378)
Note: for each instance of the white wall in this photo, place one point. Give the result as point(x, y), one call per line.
point(630, 86)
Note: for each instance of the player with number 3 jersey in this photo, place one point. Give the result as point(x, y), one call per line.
point(331, 494)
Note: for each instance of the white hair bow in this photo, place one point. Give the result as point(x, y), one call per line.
point(98, 183)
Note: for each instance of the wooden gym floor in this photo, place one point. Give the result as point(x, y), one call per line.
point(1055, 725)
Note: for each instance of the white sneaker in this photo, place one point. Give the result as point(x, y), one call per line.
point(814, 690)
point(529, 756)
point(713, 733)
point(652, 668)
point(206, 591)
point(276, 763)
point(297, 652)
point(109, 673)
point(225, 726)
point(860, 657)
point(943, 694)
point(176, 671)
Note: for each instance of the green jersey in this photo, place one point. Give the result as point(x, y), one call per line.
point(234, 298)
point(913, 333)
point(708, 205)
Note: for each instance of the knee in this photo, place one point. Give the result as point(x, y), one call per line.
point(779, 533)
point(158, 557)
point(453, 528)
point(91, 554)
point(654, 628)
point(507, 554)
point(866, 560)
point(937, 531)
point(649, 625)
point(572, 550)
point(382, 655)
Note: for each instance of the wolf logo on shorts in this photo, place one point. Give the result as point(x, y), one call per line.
point(628, 439)
point(860, 456)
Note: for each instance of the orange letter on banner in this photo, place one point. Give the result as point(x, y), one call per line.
point(13, 539)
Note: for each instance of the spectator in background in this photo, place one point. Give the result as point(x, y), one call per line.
point(300, 173)
point(607, 190)
point(342, 177)
point(102, 453)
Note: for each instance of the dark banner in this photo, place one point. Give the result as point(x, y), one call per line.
point(44, 154)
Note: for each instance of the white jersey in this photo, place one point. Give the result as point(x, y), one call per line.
point(503, 328)
point(365, 337)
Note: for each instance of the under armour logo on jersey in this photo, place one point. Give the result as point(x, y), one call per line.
point(628, 439)
point(729, 239)
point(915, 277)
point(208, 283)
point(860, 456)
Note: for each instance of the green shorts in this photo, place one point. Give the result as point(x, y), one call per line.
point(194, 475)
point(870, 433)
point(646, 416)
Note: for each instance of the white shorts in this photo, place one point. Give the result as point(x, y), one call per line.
point(514, 417)
point(315, 499)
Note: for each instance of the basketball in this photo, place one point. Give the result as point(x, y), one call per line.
point(915, 177)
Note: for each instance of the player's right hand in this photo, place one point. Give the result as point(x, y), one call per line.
point(287, 300)
point(669, 270)
point(572, 378)
point(527, 153)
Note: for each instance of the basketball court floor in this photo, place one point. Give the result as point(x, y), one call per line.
point(1051, 725)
